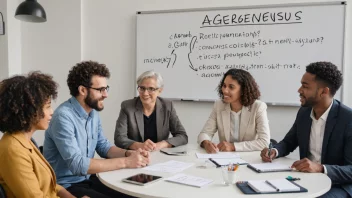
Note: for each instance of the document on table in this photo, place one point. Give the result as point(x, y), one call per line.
point(189, 180)
point(217, 155)
point(171, 166)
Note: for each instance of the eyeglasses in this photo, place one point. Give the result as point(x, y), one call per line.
point(101, 89)
point(149, 89)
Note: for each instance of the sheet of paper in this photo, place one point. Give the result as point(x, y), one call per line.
point(217, 155)
point(189, 180)
point(171, 166)
point(271, 167)
point(225, 162)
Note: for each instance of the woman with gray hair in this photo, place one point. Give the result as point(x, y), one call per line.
point(147, 121)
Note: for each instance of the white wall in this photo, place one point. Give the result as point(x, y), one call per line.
point(3, 43)
point(104, 31)
point(10, 43)
point(54, 46)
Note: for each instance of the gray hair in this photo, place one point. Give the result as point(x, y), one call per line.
point(151, 74)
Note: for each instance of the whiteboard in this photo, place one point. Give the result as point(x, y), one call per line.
point(192, 49)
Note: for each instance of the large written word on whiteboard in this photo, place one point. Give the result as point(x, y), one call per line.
point(193, 49)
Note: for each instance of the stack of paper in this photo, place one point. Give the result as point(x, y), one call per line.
point(171, 166)
point(273, 185)
point(217, 155)
point(189, 180)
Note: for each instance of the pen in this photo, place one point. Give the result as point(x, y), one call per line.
point(270, 184)
point(270, 147)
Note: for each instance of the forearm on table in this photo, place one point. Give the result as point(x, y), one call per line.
point(103, 165)
point(115, 152)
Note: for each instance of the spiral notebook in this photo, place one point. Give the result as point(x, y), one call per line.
point(270, 186)
point(269, 167)
point(273, 185)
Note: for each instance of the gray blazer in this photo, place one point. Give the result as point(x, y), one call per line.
point(337, 143)
point(130, 126)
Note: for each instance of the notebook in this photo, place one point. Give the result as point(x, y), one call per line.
point(269, 167)
point(273, 185)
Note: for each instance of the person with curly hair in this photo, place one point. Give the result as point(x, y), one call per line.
point(240, 118)
point(322, 130)
point(75, 133)
point(156, 115)
point(25, 106)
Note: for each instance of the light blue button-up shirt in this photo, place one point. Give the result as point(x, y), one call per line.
point(71, 140)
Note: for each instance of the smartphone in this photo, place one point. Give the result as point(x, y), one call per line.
point(142, 179)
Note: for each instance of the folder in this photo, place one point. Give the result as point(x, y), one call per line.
point(247, 189)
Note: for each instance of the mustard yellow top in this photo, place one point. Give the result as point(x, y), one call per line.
point(24, 172)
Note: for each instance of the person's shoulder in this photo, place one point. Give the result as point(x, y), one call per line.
point(220, 104)
point(258, 106)
point(344, 107)
point(166, 103)
point(344, 110)
point(9, 146)
point(129, 103)
point(65, 109)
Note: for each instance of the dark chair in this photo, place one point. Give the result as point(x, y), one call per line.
point(2, 192)
point(39, 147)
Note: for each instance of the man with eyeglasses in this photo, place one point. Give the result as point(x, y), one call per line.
point(75, 134)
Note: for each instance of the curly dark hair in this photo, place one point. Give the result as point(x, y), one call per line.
point(328, 74)
point(249, 88)
point(82, 73)
point(22, 99)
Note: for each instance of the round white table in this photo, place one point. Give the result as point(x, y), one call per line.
point(316, 183)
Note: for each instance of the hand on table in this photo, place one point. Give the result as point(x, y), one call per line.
point(226, 146)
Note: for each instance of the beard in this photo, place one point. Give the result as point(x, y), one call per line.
point(93, 103)
point(309, 102)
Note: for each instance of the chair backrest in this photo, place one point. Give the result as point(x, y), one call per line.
point(39, 147)
point(2, 192)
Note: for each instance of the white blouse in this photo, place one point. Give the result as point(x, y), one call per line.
point(235, 126)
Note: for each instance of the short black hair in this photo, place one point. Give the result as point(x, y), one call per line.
point(82, 73)
point(328, 74)
point(22, 99)
point(249, 88)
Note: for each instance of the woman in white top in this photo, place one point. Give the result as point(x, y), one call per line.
point(239, 117)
